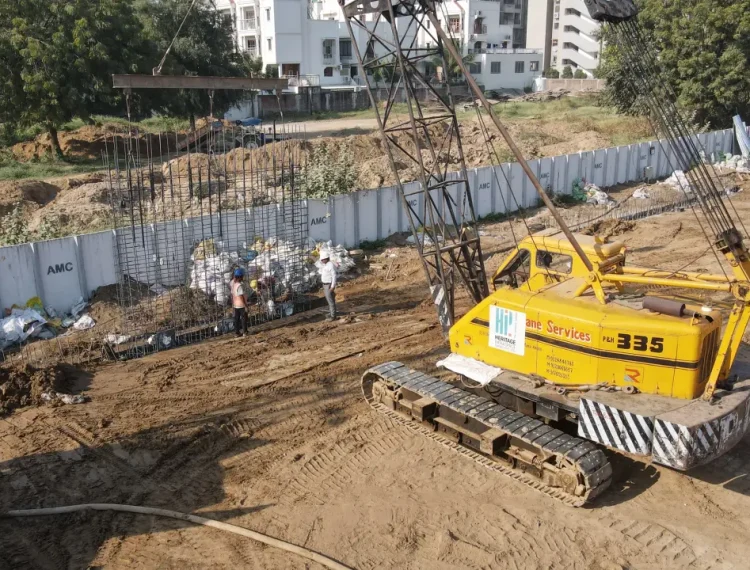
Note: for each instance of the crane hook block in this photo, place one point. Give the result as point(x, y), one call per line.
point(611, 10)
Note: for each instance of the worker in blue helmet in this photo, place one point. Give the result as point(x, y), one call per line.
point(239, 303)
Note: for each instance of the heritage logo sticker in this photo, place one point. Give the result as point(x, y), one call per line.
point(507, 330)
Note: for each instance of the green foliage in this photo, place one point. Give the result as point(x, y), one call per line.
point(551, 73)
point(251, 66)
point(205, 46)
point(580, 74)
point(703, 49)
point(369, 245)
point(58, 57)
point(50, 228)
point(13, 227)
point(454, 72)
point(330, 170)
point(387, 72)
point(567, 72)
point(272, 71)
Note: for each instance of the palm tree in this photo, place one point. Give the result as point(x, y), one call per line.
point(454, 71)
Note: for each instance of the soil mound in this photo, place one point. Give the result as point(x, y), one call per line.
point(88, 142)
point(31, 194)
point(21, 387)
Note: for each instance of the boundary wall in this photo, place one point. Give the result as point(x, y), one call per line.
point(62, 270)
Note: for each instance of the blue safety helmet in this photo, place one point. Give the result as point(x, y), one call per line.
point(238, 272)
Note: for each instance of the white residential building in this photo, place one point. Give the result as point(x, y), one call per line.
point(565, 33)
point(309, 40)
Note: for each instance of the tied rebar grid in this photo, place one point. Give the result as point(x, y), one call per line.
point(190, 208)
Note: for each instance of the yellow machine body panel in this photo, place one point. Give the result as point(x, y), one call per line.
point(534, 324)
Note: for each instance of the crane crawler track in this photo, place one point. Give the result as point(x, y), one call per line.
point(566, 468)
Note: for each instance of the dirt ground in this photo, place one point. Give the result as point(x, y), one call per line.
point(270, 432)
point(81, 203)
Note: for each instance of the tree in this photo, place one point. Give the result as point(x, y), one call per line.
point(452, 71)
point(567, 72)
point(251, 66)
point(580, 74)
point(551, 73)
point(204, 46)
point(57, 57)
point(703, 49)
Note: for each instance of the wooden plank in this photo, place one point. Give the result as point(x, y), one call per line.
point(196, 82)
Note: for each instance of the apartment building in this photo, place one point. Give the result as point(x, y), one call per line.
point(309, 40)
point(566, 34)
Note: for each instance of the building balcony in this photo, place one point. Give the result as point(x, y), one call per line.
point(329, 59)
point(346, 59)
point(248, 25)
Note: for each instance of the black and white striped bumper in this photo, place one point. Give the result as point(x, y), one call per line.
point(683, 437)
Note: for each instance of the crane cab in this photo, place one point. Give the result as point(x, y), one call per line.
point(537, 323)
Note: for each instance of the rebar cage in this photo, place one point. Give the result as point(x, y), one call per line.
point(190, 208)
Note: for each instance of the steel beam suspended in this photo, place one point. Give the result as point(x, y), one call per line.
point(198, 82)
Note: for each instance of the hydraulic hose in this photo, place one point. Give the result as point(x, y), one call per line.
point(275, 542)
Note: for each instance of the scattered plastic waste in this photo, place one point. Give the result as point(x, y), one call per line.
point(78, 307)
point(641, 194)
point(737, 162)
point(85, 322)
point(117, 339)
point(679, 181)
point(424, 239)
point(68, 399)
point(20, 325)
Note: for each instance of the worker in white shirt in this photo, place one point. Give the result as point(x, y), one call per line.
point(328, 277)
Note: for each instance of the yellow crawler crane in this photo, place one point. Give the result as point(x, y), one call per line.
point(563, 354)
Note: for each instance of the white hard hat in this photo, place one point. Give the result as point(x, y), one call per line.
point(324, 254)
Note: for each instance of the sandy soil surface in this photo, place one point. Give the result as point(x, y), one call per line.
point(271, 433)
point(80, 203)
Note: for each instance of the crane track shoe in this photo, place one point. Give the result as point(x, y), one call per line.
point(572, 470)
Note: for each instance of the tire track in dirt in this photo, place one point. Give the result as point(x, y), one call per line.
point(663, 543)
point(326, 472)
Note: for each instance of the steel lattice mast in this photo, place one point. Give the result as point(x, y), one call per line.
point(445, 213)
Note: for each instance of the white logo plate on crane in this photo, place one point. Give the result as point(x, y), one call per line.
point(507, 330)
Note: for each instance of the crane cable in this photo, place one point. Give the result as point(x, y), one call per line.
point(640, 73)
point(493, 153)
point(157, 69)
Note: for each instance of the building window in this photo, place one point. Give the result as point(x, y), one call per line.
point(454, 24)
point(328, 72)
point(428, 24)
point(270, 46)
point(495, 67)
point(533, 66)
point(250, 45)
point(557, 25)
point(554, 43)
point(328, 47)
point(519, 67)
point(475, 68)
point(268, 14)
point(517, 19)
point(345, 48)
